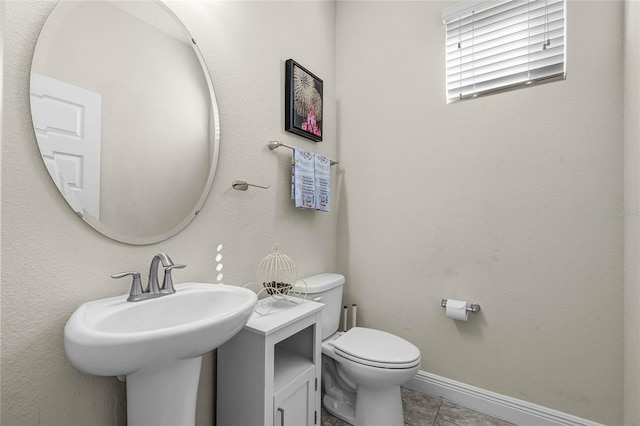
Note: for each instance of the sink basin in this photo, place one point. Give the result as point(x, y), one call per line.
point(112, 337)
point(157, 344)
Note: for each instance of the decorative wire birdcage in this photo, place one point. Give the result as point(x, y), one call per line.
point(277, 273)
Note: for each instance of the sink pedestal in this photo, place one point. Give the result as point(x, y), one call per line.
point(164, 394)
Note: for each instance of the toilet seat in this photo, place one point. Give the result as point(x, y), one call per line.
point(376, 348)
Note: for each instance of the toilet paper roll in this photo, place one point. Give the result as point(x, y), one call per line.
point(457, 309)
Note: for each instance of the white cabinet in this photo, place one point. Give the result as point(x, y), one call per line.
point(294, 402)
point(269, 373)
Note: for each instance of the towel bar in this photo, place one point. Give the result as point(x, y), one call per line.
point(277, 144)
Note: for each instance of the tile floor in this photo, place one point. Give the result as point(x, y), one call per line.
point(423, 410)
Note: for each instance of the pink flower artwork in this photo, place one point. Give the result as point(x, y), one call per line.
point(310, 124)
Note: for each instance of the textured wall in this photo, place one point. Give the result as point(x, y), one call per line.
point(52, 261)
point(500, 200)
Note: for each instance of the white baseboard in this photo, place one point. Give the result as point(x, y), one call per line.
point(503, 407)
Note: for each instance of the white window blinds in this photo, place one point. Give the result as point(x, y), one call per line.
point(496, 45)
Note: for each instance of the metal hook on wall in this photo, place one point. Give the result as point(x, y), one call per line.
point(241, 185)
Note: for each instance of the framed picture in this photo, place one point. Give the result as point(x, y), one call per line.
point(303, 102)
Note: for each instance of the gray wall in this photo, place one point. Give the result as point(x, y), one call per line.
point(500, 200)
point(632, 212)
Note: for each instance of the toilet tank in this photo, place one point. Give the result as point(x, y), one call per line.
point(327, 288)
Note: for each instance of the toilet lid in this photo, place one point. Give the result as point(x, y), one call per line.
point(377, 348)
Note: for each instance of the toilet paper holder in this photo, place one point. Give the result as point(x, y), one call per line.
point(474, 307)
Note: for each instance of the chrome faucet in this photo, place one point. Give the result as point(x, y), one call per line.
point(153, 289)
point(152, 286)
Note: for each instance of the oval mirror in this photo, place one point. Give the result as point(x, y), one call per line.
point(125, 117)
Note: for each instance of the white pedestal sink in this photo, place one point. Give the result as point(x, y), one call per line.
point(158, 344)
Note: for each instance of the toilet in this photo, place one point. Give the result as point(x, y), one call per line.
point(362, 368)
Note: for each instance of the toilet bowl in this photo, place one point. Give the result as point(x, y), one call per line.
point(373, 364)
point(362, 368)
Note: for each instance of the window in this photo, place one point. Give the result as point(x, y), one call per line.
point(503, 44)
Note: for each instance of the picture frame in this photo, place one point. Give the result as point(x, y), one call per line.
point(303, 102)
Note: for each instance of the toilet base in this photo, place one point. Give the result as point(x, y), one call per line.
point(368, 410)
point(341, 409)
point(339, 396)
point(371, 412)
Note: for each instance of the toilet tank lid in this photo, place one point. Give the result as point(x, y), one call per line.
point(323, 282)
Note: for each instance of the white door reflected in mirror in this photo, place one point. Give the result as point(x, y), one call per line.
point(67, 122)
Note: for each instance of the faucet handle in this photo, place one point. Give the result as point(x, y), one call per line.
point(167, 282)
point(136, 285)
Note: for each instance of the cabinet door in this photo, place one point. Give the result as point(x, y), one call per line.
point(294, 403)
